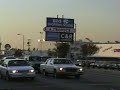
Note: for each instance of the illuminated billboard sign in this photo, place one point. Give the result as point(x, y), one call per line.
point(59, 29)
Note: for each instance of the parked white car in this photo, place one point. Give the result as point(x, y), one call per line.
point(61, 66)
point(16, 68)
point(8, 57)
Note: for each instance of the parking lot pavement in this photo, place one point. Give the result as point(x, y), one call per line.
point(105, 71)
point(91, 80)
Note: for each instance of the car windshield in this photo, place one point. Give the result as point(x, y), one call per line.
point(62, 61)
point(18, 63)
point(10, 58)
point(1, 61)
point(43, 59)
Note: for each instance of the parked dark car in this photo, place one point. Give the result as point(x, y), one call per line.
point(36, 61)
point(115, 66)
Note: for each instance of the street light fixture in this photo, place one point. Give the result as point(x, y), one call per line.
point(23, 40)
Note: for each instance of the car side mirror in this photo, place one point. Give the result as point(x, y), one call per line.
point(2, 64)
point(51, 63)
point(5, 65)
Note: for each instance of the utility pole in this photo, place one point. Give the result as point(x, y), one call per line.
point(29, 44)
point(41, 33)
point(75, 32)
point(0, 45)
point(23, 39)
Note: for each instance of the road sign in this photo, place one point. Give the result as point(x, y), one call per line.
point(56, 29)
point(60, 22)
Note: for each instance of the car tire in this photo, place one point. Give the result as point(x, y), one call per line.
point(1, 76)
point(77, 76)
point(7, 77)
point(32, 78)
point(55, 74)
point(45, 73)
point(38, 71)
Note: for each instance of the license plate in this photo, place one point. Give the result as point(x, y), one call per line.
point(24, 73)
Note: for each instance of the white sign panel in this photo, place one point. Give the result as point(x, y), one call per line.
point(55, 29)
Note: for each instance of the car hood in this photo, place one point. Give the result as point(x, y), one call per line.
point(20, 68)
point(66, 66)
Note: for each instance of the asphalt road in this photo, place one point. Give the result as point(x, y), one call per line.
point(92, 79)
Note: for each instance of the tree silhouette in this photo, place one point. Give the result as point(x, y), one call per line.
point(62, 49)
point(18, 53)
point(89, 49)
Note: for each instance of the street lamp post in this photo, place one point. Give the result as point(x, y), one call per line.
point(0, 47)
point(41, 33)
point(29, 44)
point(75, 32)
point(23, 40)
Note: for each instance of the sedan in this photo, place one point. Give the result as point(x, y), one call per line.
point(16, 68)
point(60, 67)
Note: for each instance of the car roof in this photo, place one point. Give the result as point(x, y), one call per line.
point(59, 58)
point(9, 57)
point(13, 59)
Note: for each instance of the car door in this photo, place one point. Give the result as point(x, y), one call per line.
point(48, 65)
point(51, 66)
point(3, 68)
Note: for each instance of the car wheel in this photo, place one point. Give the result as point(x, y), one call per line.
point(7, 77)
point(38, 71)
point(45, 73)
point(55, 75)
point(32, 78)
point(77, 76)
point(1, 75)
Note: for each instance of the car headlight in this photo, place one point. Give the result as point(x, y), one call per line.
point(61, 70)
point(14, 71)
point(81, 69)
point(80, 64)
point(31, 71)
